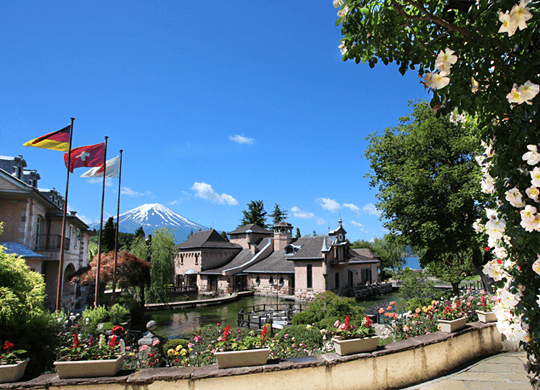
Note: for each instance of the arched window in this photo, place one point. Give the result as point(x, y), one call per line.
point(309, 272)
point(39, 227)
point(281, 281)
point(258, 281)
point(271, 281)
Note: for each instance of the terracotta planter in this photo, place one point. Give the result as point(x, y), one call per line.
point(249, 357)
point(350, 346)
point(453, 325)
point(88, 368)
point(486, 316)
point(12, 372)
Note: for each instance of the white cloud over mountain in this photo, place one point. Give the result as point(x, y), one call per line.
point(205, 191)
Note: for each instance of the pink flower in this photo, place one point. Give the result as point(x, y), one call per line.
point(197, 338)
point(155, 342)
point(143, 347)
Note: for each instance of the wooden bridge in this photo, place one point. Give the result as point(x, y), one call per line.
point(197, 303)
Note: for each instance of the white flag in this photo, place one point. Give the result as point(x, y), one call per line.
point(111, 170)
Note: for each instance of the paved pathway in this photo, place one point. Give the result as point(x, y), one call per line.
point(504, 371)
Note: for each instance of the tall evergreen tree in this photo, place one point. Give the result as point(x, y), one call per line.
point(224, 235)
point(109, 236)
point(278, 215)
point(254, 214)
point(140, 232)
point(298, 235)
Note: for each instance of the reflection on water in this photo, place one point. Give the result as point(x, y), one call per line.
point(174, 323)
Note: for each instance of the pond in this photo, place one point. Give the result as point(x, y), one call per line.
point(173, 323)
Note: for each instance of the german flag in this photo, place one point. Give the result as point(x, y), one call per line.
point(58, 140)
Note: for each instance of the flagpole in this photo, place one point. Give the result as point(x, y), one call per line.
point(61, 261)
point(98, 267)
point(117, 228)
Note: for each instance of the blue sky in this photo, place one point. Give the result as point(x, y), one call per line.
point(215, 104)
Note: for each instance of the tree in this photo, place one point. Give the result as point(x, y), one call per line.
point(190, 234)
point(139, 248)
point(224, 235)
point(429, 184)
point(495, 76)
point(24, 320)
point(278, 215)
point(130, 271)
point(109, 236)
point(254, 214)
point(390, 250)
point(140, 232)
point(163, 251)
point(298, 235)
point(453, 268)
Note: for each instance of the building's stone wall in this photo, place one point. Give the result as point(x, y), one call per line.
point(269, 284)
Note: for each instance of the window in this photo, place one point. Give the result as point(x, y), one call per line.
point(196, 258)
point(258, 281)
point(39, 226)
point(281, 281)
point(271, 281)
point(181, 259)
point(337, 279)
point(309, 272)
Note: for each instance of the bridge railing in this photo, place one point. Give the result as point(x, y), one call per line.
point(257, 316)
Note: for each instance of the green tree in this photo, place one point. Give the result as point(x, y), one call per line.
point(254, 214)
point(140, 232)
point(429, 184)
point(140, 248)
point(163, 251)
point(452, 268)
point(224, 235)
point(190, 234)
point(415, 284)
point(495, 74)
point(278, 215)
point(109, 236)
point(390, 250)
point(24, 320)
point(298, 235)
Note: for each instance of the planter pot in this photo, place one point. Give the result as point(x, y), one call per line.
point(486, 316)
point(88, 368)
point(453, 325)
point(12, 372)
point(347, 347)
point(249, 357)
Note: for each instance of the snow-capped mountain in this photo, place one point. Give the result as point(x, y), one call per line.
point(155, 216)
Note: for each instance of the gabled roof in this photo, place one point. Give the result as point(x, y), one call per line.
point(14, 248)
point(276, 263)
point(367, 253)
point(312, 250)
point(207, 239)
point(254, 229)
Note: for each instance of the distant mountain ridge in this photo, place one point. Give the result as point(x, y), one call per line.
point(156, 216)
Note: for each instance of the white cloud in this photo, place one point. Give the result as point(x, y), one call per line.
point(173, 202)
point(352, 207)
point(370, 209)
point(240, 139)
point(205, 191)
point(99, 180)
point(307, 215)
point(357, 224)
point(129, 192)
point(329, 204)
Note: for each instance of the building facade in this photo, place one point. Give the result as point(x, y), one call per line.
point(32, 219)
point(272, 263)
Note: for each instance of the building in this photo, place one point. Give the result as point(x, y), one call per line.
point(32, 219)
point(273, 263)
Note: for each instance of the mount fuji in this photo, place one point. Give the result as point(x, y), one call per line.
point(156, 216)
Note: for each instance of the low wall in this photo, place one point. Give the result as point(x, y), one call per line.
point(393, 366)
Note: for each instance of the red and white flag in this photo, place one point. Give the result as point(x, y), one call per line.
point(111, 169)
point(86, 156)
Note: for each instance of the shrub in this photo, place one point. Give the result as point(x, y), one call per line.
point(173, 343)
point(91, 317)
point(118, 314)
point(24, 321)
point(413, 303)
point(326, 308)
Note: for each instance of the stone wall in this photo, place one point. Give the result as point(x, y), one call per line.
point(394, 366)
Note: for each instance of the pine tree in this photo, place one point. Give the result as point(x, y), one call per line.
point(279, 215)
point(224, 235)
point(255, 214)
point(298, 235)
point(140, 232)
point(109, 236)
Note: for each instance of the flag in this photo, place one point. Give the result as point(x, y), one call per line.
point(111, 168)
point(58, 140)
point(86, 156)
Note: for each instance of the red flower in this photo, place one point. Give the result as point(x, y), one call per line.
point(226, 333)
point(347, 320)
point(486, 248)
point(483, 300)
point(264, 333)
point(76, 341)
point(9, 346)
point(368, 322)
point(117, 330)
point(114, 342)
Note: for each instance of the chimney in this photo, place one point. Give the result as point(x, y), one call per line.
point(282, 235)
